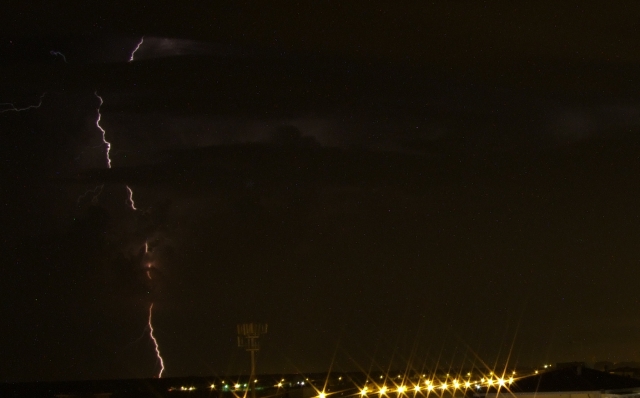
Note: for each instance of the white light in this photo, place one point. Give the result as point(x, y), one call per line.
point(402, 389)
point(321, 395)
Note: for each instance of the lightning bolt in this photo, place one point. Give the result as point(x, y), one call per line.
point(155, 342)
point(98, 190)
point(136, 49)
point(58, 54)
point(104, 133)
point(10, 107)
point(150, 323)
point(130, 201)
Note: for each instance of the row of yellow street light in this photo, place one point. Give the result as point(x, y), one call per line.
point(455, 384)
point(430, 386)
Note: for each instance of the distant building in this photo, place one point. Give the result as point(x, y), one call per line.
point(568, 382)
point(627, 371)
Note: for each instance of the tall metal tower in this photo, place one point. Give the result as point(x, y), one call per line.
point(248, 334)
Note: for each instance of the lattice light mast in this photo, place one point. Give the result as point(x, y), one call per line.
point(248, 334)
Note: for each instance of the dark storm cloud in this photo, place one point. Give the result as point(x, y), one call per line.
point(159, 47)
point(398, 184)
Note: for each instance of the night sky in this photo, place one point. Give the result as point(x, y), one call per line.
point(386, 187)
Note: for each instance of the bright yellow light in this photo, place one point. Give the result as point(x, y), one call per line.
point(490, 382)
point(443, 386)
point(340, 378)
point(456, 384)
point(501, 381)
point(381, 376)
point(467, 384)
point(417, 387)
point(280, 384)
point(383, 390)
point(427, 382)
point(402, 389)
point(430, 387)
point(212, 386)
point(510, 379)
point(536, 372)
point(237, 386)
point(322, 395)
point(363, 391)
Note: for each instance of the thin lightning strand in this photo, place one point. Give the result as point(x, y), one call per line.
point(13, 108)
point(96, 194)
point(155, 342)
point(104, 138)
point(150, 324)
point(136, 49)
point(130, 201)
point(132, 204)
point(58, 54)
